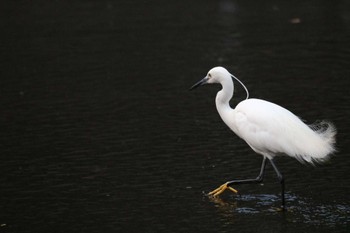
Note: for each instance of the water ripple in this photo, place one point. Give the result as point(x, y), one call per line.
point(299, 209)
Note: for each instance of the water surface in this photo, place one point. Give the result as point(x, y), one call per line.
point(100, 133)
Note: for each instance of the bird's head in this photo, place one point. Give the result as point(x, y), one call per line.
point(215, 75)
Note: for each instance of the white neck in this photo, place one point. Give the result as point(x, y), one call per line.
point(223, 98)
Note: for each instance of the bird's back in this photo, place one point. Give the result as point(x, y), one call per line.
point(271, 129)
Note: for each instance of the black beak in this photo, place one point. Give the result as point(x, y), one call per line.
point(200, 83)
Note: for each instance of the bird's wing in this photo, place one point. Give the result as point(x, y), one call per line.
point(266, 127)
point(270, 129)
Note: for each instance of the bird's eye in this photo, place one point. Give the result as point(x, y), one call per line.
point(209, 75)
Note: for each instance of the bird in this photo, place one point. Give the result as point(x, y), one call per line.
point(269, 129)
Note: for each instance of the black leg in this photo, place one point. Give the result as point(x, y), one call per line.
point(281, 179)
point(258, 179)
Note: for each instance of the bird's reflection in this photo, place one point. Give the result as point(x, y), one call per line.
point(226, 208)
point(236, 208)
point(220, 203)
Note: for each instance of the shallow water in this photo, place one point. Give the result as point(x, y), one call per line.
point(100, 133)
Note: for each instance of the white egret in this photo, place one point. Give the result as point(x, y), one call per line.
point(269, 129)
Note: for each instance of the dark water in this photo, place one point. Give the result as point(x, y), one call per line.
point(99, 132)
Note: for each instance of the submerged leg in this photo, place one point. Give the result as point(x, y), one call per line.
point(281, 180)
point(227, 185)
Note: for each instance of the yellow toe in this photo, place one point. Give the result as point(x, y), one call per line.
point(232, 189)
point(221, 189)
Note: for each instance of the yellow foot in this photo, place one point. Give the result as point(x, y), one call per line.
point(221, 189)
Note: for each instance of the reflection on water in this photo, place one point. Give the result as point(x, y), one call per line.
point(300, 210)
